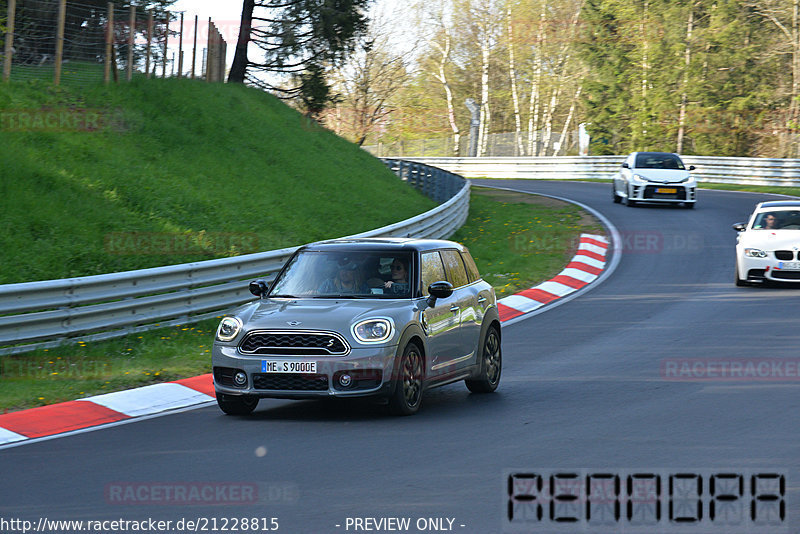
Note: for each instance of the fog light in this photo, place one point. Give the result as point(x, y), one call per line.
point(240, 379)
point(345, 380)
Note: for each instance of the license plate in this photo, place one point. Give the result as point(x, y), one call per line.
point(285, 366)
point(666, 190)
point(789, 265)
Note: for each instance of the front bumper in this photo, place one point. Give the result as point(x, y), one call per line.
point(664, 193)
point(370, 370)
point(761, 269)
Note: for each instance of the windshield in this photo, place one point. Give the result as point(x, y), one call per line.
point(346, 274)
point(777, 220)
point(658, 161)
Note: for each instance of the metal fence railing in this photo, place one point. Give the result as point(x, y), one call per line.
point(82, 42)
point(745, 171)
point(42, 314)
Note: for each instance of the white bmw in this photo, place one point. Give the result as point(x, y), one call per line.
point(659, 177)
point(768, 245)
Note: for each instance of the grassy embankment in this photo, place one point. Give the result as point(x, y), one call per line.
point(224, 169)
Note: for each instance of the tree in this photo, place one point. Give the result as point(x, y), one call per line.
point(302, 41)
point(367, 82)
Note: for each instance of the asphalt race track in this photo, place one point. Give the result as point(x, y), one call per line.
point(593, 385)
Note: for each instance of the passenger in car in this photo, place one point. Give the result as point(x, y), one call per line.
point(399, 281)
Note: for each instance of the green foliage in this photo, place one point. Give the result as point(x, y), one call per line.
point(639, 76)
point(212, 169)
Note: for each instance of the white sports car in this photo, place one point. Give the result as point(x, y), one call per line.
point(768, 245)
point(655, 177)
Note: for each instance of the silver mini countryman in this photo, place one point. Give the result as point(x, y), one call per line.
point(361, 317)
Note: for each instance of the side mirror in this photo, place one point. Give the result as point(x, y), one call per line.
point(259, 288)
point(691, 167)
point(626, 166)
point(739, 227)
point(439, 290)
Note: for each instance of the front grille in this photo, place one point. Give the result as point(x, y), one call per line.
point(294, 343)
point(650, 192)
point(784, 255)
point(786, 275)
point(290, 382)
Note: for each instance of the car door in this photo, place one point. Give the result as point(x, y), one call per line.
point(441, 321)
point(465, 298)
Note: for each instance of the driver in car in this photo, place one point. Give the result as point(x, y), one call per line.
point(348, 281)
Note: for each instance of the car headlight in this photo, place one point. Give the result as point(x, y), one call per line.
point(755, 253)
point(636, 177)
point(229, 328)
point(373, 330)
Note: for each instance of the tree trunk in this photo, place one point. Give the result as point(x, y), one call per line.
point(533, 118)
point(441, 77)
point(687, 57)
point(485, 116)
point(239, 66)
point(519, 150)
point(562, 139)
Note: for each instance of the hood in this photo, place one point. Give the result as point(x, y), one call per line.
point(337, 315)
point(771, 239)
point(667, 176)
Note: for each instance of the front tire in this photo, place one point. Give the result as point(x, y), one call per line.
point(491, 365)
point(739, 281)
point(628, 200)
point(237, 404)
point(407, 395)
point(617, 198)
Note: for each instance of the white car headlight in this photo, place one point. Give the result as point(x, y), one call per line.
point(638, 178)
point(373, 330)
point(229, 328)
point(755, 253)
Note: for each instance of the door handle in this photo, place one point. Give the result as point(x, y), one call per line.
point(481, 300)
point(454, 308)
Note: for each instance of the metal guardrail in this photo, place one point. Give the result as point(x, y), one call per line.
point(42, 314)
point(745, 171)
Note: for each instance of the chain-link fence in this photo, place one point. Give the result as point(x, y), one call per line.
point(94, 41)
point(497, 145)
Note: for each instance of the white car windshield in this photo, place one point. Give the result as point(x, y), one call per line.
point(346, 274)
point(777, 220)
point(648, 160)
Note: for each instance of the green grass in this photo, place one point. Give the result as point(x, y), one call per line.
point(517, 240)
point(520, 240)
point(180, 171)
point(75, 371)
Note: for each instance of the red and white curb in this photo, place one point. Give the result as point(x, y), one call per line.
point(585, 267)
point(17, 427)
point(103, 409)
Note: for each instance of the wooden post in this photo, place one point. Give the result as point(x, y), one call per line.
point(222, 55)
point(62, 18)
point(109, 43)
point(131, 39)
point(194, 46)
point(209, 53)
point(166, 39)
point(149, 52)
point(8, 51)
point(180, 49)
